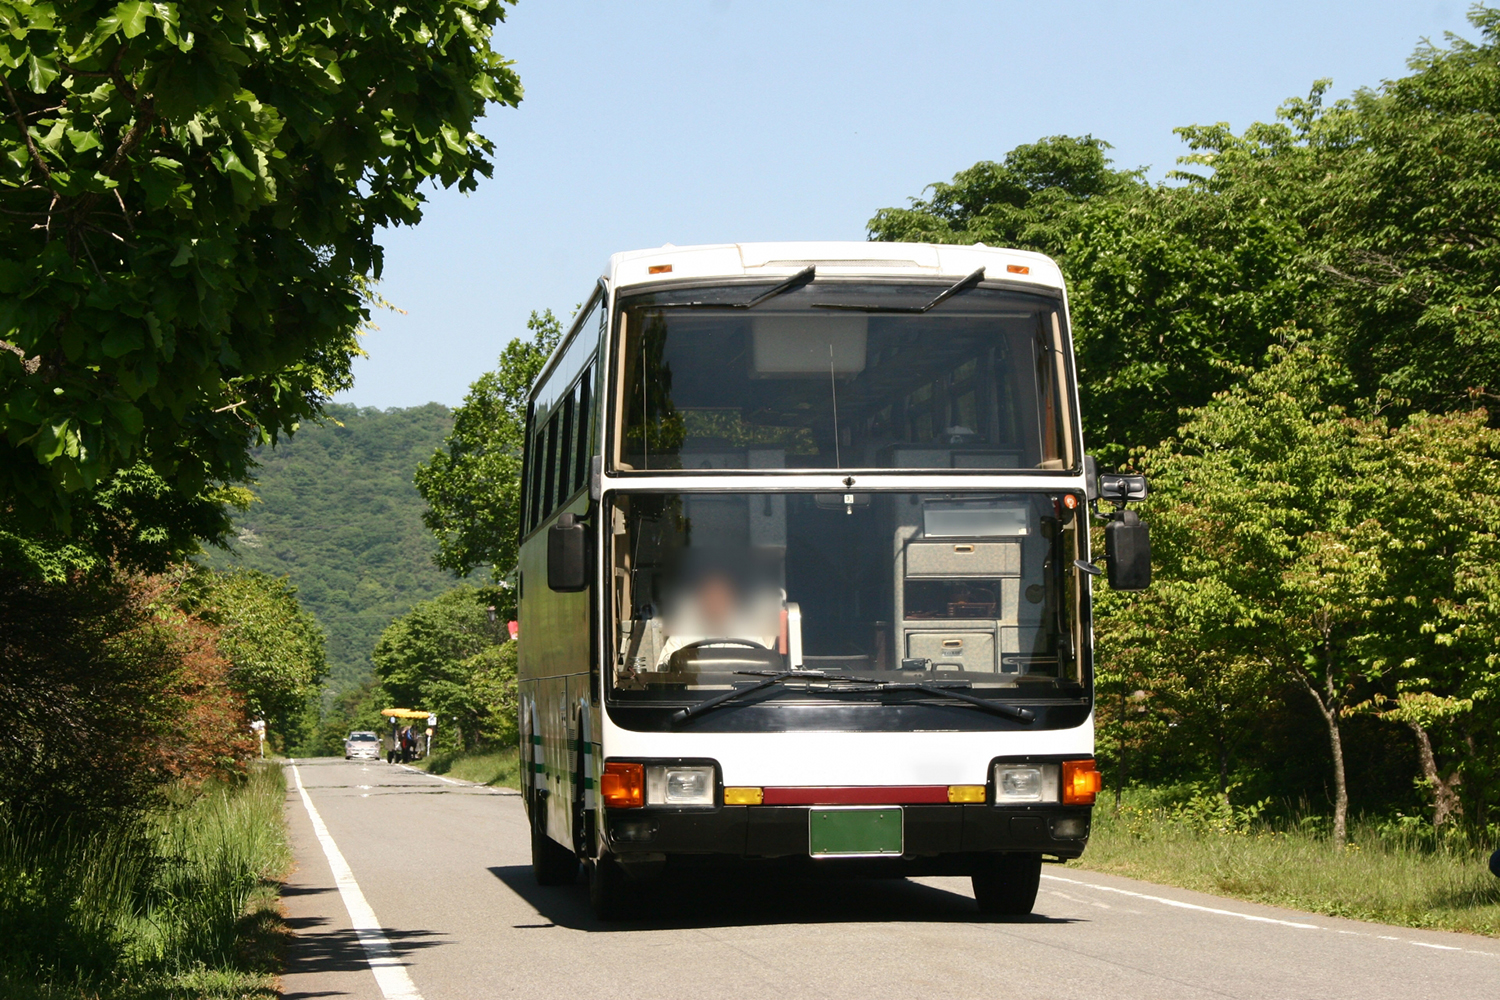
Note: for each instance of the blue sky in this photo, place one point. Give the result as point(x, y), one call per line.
point(715, 121)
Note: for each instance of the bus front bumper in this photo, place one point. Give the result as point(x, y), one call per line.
point(929, 831)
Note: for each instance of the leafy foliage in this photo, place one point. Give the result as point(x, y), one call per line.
point(192, 195)
point(135, 522)
point(274, 646)
point(1292, 540)
point(446, 656)
point(472, 484)
point(1028, 200)
point(109, 693)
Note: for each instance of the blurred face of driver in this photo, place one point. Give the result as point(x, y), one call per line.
point(716, 599)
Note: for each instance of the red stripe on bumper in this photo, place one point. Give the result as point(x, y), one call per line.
point(857, 795)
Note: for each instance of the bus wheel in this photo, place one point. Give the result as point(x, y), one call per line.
point(1005, 884)
point(551, 862)
point(610, 891)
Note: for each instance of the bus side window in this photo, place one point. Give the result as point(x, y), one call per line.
point(583, 448)
point(538, 463)
point(528, 462)
point(549, 465)
point(564, 473)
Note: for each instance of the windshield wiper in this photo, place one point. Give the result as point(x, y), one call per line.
point(796, 281)
point(684, 714)
point(945, 689)
point(942, 297)
point(999, 708)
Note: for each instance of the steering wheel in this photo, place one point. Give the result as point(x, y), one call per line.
point(723, 642)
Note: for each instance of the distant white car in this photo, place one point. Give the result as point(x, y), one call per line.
point(362, 746)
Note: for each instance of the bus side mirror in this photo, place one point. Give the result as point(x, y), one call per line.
point(1127, 551)
point(567, 555)
point(1122, 489)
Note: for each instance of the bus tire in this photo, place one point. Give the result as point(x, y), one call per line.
point(1005, 885)
point(551, 863)
point(610, 892)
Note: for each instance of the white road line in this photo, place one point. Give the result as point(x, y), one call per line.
point(390, 973)
point(459, 782)
point(1259, 919)
point(1187, 906)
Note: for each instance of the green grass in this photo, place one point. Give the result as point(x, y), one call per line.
point(179, 904)
point(1390, 873)
point(485, 767)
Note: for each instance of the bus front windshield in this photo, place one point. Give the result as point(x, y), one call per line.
point(842, 375)
point(712, 590)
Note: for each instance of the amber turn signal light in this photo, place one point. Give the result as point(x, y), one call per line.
point(744, 796)
point(623, 786)
point(1081, 781)
point(965, 793)
point(659, 269)
point(1018, 268)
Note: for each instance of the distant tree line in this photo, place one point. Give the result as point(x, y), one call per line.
point(1298, 339)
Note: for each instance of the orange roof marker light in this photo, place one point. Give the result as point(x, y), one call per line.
point(1081, 781)
point(623, 786)
point(659, 269)
point(1018, 268)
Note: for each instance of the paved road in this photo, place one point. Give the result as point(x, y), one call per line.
point(438, 875)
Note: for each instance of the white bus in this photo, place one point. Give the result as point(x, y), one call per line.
point(804, 574)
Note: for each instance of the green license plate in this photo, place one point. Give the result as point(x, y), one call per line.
point(849, 832)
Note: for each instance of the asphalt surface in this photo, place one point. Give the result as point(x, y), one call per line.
point(438, 875)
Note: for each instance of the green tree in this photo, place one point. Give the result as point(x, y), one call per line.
point(1391, 197)
point(274, 646)
point(472, 484)
point(1346, 553)
point(1439, 624)
point(441, 656)
point(110, 692)
point(1174, 293)
point(1257, 534)
point(1030, 200)
point(192, 195)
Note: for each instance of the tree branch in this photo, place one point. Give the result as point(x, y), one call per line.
point(36, 154)
point(133, 137)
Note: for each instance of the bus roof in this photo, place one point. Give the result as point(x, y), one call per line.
point(831, 258)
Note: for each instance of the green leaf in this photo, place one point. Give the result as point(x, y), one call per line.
point(83, 141)
point(122, 340)
point(132, 15)
point(41, 71)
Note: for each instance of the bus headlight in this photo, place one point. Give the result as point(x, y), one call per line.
point(672, 785)
point(1018, 783)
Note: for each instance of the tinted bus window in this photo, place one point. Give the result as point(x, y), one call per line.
point(844, 375)
point(538, 452)
point(565, 446)
point(549, 466)
point(584, 447)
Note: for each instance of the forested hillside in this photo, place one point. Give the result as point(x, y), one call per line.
point(336, 512)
